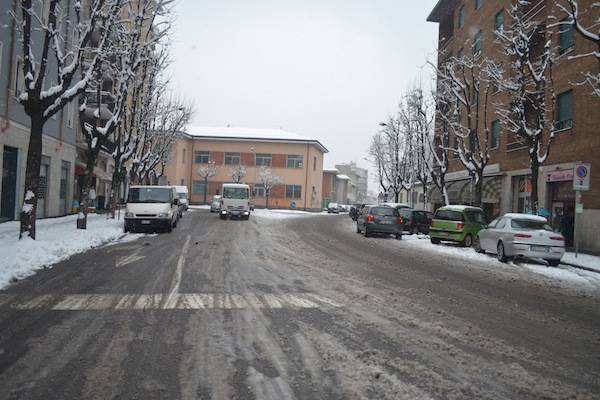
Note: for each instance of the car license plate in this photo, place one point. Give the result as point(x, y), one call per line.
point(384, 222)
point(145, 222)
point(542, 249)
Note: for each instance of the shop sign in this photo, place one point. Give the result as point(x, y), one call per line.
point(560, 175)
point(581, 178)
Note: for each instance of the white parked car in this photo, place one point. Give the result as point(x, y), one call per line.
point(521, 235)
point(182, 191)
point(151, 207)
point(235, 201)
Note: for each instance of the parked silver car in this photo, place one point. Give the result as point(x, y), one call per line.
point(521, 235)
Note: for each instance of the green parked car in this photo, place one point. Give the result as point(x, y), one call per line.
point(457, 224)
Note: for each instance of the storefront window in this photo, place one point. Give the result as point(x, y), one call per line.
point(522, 194)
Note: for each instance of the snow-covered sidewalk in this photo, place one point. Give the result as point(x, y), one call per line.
point(582, 260)
point(57, 240)
point(284, 214)
point(564, 273)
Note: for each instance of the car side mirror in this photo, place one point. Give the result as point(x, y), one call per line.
point(175, 202)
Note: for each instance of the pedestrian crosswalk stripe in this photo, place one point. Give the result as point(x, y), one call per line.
point(173, 301)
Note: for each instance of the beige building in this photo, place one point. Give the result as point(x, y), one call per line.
point(297, 160)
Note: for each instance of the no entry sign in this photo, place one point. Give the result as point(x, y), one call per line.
point(581, 177)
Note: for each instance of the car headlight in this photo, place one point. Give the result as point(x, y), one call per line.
point(164, 215)
point(129, 214)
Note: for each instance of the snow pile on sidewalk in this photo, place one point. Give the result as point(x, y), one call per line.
point(561, 274)
point(57, 240)
point(582, 260)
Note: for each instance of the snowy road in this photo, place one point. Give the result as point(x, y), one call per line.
point(294, 308)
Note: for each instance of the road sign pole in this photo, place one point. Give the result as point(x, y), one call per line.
point(576, 222)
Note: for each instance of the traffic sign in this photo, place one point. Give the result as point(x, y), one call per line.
point(581, 177)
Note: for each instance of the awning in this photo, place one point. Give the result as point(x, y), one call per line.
point(492, 189)
point(459, 192)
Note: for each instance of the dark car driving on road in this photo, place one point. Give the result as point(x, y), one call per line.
point(379, 220)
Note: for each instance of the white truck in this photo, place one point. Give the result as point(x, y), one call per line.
point(235, 201)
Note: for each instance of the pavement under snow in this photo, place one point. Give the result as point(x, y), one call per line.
point(57, 240)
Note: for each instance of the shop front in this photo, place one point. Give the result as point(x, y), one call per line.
point(561, 200)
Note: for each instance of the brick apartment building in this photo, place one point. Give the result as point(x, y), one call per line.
point(507, 182)
point(297, 160)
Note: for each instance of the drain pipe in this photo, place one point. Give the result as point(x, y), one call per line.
point(10, 71)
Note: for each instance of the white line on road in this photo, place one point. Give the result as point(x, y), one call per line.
point(172, 298)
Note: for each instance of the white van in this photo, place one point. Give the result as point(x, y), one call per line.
point(151, 207)
point(182, 191)
point(235, 201)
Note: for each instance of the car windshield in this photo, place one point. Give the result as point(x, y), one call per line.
point(383, 211)
point(149, 195)
point(449, 215)
point(182, 195)
point(405, 212)
point(477, 216)
point(235, 193)
point(530, 224)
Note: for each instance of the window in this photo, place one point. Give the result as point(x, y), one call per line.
point(499, 22)
point(449, 215)
point(19, 80)
point(461, 16)
point(314, 163)
point(477, 44)
point(530, 224)
point(70, 114)
point(501, 223)
point(477, 217)
point(478, 4)
point(263, 159)
point(293, 191)
point(198, 187)
point(183, 156)
point(566, 37)
point(496, 128)
point(565, 110)
point(1, 51)
point(259, 190)
point(295, 161)
point(182, 182)
point(201, 157)
point(232, 158)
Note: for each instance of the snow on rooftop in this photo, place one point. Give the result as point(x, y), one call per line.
point(343, 177)
point(246, 133)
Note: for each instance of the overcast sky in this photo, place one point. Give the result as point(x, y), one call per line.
point(327, 69)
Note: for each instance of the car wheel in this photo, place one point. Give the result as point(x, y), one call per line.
point(435, 241)
point(467, 241)
point(358, 228)
point(415, 230)
point(170, 228)
point(399, 236)
point(500, 252)
point(366, 232)
point(125, 229)
point(553, 263)
point(477, 245)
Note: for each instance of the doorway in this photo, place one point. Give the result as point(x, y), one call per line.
point(9, 183)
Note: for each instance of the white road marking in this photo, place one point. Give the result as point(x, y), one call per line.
point(172, 301)
point(172, 296)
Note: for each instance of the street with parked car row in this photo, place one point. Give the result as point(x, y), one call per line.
point(295, 305)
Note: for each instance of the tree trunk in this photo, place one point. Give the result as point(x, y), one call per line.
point(478, 201)
point(267, 199)
point(92, 154)
point(535, 170)
point(205, 188)
point(114, 192)
point(32, 177)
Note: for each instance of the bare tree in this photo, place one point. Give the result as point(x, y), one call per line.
point(574, 13)
point(61, 31)
point(377, 153)
point(205, 173)
point(439, 145)
point(530, 112)
point(463, 94)
point(238, 173)
point(268, 180)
